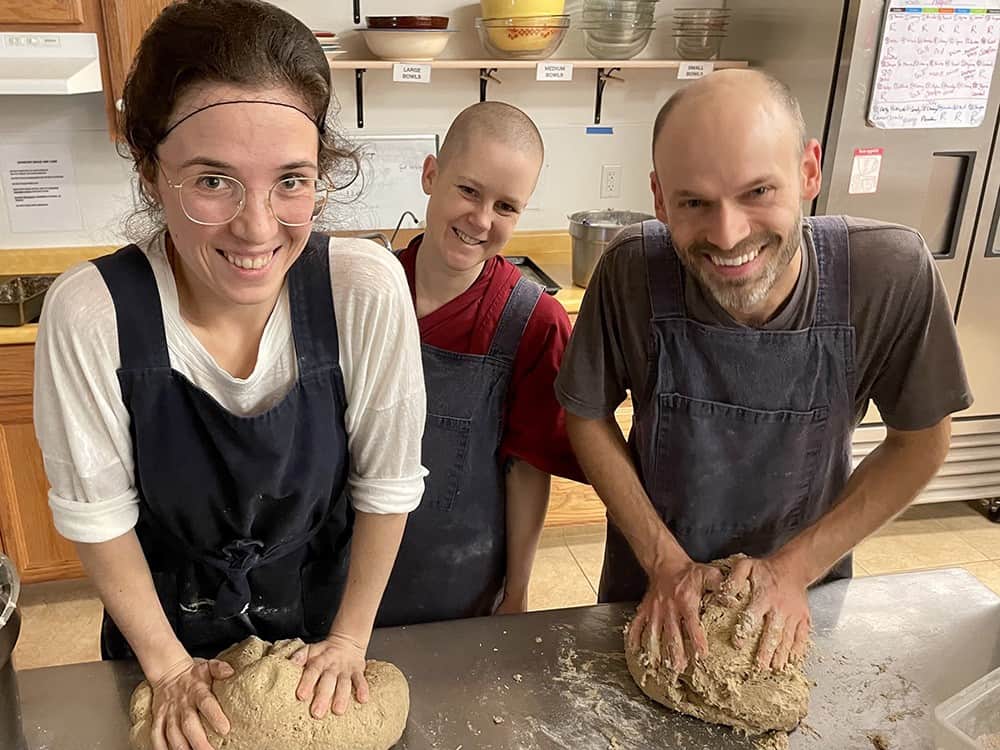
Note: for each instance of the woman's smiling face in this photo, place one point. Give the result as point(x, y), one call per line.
point(259, 143)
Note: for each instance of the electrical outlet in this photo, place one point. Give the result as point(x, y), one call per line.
point(611, 181)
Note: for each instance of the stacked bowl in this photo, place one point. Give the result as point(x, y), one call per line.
point(522, 29)
point(329, 42)
point(617, 29)
point(407, 38)
point(698, 32)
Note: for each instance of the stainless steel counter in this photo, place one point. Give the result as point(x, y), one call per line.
point(887, 650)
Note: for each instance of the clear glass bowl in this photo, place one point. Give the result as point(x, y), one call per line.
point(616, 44)
point(522, 38)
point(698, 46)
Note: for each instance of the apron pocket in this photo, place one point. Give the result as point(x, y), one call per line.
point(445, 450)
point(724, 471)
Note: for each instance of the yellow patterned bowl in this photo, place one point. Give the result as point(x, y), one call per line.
point(532, 38)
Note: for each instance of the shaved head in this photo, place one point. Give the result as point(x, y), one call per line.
point(496, 122)
point(736, 88)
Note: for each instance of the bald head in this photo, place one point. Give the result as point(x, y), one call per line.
point(496, 122)
point(744, 90)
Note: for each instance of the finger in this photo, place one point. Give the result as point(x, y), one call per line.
point(323, 697)
point(635, 630)
point(360, 687)
point(307, 683)
point(769, 640)
point(713, 578)
point(300, 657)
point(342, 695)
point(194, 732)
point(801, 642)
point(691, 621)
point(209, 707)
point(157, 732)
point(738, 576)
point(654, 629)
point(784, 648)
point(674, 643)
point(220, 670)
point(175, 735)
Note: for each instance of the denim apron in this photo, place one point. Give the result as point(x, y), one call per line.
point(452, 561)
point(742, 436)
point(244, 521)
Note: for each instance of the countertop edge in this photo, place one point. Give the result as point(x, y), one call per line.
point(551, 250)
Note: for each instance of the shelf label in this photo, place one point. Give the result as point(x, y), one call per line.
point(411, 73)
point(689, 70)
point(554, 71)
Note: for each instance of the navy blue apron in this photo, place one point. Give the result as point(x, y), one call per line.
point(244, 521)
point(452, 561)
point(742, 436)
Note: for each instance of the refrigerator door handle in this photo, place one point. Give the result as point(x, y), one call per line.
point(947, 192)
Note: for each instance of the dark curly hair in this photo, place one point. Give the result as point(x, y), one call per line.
point(241, 42)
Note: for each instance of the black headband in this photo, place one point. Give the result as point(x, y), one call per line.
point(320, 125)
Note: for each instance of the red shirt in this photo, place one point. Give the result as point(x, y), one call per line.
point(535, 423)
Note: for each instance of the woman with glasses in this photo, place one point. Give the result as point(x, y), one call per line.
point(231, 406)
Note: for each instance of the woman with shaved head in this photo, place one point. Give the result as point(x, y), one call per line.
point(492, 344)
point(752, 340)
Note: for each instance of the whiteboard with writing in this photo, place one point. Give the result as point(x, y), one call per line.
point(935, 63)
point(389, 183)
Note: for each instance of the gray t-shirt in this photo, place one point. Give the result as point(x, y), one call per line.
point(907, 358)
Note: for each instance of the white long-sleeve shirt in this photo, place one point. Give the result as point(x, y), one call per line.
point(83, 426)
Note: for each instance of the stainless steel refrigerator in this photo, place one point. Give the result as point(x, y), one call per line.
point(942, 181)
point(945, 182)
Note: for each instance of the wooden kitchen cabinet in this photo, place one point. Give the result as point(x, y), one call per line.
point(119, 25)
point(42, 12)
point(124, 22)
point(29, 538)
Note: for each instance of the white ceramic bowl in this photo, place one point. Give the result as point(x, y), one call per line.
point(409, 45)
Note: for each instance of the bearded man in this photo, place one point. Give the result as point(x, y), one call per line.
point(752, 340)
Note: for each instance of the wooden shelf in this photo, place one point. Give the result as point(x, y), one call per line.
point(605, 71)
point(502, 64)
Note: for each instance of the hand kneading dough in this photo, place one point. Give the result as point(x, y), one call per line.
point(264, 713)
point(724, 687)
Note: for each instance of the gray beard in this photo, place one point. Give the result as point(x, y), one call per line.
point(742, 298)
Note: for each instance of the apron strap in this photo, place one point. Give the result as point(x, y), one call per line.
point(833, 293)
point(663, 270)
point(142, 341)
point(514, 319)
point(314, 322)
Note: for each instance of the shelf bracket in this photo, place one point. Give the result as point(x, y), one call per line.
point(603, 76)
point(357, 11)
point(359, 94)
point(485, 76)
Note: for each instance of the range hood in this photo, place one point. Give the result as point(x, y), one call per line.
point(49, 63)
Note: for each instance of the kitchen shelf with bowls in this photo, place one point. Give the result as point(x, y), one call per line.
point(488, 67)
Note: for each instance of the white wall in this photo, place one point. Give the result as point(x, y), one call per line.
point(571, 181)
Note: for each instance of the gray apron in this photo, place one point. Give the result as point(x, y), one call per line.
point(453, 558)
point(742, 437)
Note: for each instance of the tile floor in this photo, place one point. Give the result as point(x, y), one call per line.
point(62, 619)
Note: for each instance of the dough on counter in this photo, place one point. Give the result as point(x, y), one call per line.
point(724, 687)
point(259, 701)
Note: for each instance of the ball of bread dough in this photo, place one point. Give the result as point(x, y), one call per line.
point(725, 687)
point(259, 701)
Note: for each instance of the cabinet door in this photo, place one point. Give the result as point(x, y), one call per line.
point(25, 521)
point(42, 12)
point(125, 21)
